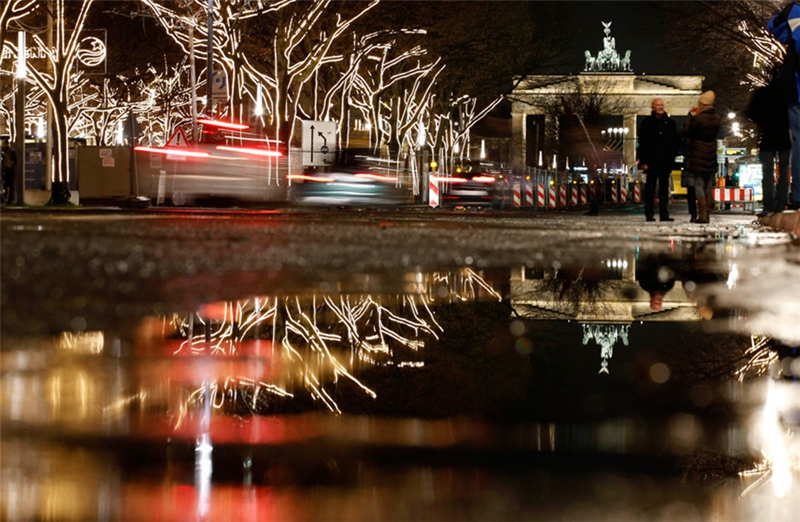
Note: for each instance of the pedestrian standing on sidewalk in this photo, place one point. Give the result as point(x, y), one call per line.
point(659, 143)
point(687, 181)
point(9, 163)
point(768, 111)
point(701, 129)
point(785, 27)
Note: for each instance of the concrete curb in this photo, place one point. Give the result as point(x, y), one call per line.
point(788, 221)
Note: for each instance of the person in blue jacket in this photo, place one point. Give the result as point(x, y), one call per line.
point(779, 25)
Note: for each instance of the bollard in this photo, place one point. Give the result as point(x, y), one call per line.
point(623, 192)
point(562, 196)
point(552, 197)
point(516, 195)
point(540, 195)
point(433, 192)
point(528, 193)
point(637, 193)
point(574, 196)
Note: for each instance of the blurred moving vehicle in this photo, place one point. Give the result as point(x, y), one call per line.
point(354, 178)
point(232, 165)
point(473, 184)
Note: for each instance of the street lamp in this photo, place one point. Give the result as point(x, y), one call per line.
point(19, 120)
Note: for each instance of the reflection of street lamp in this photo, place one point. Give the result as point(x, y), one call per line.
point(19, 120)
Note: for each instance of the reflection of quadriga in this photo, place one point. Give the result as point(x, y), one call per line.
point(605, 335)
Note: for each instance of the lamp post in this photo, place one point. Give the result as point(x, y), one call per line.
point(19, 120)
point(210, 58)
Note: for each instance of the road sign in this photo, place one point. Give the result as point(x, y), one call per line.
point(318, 142)
point(178, 139)
point(219, 86)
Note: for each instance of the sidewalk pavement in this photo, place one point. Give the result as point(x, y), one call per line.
point(788, 221)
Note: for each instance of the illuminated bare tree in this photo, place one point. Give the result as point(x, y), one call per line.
point(302, 36)
point(11, 13)
point(58, 79)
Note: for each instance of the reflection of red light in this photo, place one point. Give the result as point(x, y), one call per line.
point(376, 177)
point(305, 177)
point(223, 124)
point(174, 151)
point(254, 152)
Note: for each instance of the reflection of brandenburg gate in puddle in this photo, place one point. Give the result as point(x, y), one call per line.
point(602, 295)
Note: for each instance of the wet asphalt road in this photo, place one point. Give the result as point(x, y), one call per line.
point(490, 418)
point(63, 265)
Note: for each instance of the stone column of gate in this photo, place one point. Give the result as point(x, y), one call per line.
point(518, 139)
point(629, 143)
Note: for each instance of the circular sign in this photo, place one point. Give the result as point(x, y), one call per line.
point(324, 149)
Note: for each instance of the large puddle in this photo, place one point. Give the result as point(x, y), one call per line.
point(634, 387)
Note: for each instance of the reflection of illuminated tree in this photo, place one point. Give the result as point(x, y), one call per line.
point(730, 358)
point(578, 291)
point(319, 340)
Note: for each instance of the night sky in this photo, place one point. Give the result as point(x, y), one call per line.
point(635, 26)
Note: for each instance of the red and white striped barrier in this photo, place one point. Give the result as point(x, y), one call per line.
point(583, 195)
point(562, 196)
point(528, 194)
point(637, 193)
point(573, 200)
point(433, 192)
point(725, 195)
point(623, 192)
point(552, 197)
point(517, 198)
point(540, 195)
point(613, 192)
point(734, 195)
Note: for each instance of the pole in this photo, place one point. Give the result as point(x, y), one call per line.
point(210, 58)
point(194, 84)
point(48, 154)
point(425, 177)
point(19, 121)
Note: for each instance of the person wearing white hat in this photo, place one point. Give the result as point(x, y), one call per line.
point(700, 130)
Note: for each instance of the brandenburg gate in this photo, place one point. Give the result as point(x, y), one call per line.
point(609, 76)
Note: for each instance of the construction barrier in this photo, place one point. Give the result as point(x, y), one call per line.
point(540, 196)
point(562, 196)
point(623, 192)
point(637, 193)
point(735, 195)
point(433, 192)
point(552, 197)
point(517, 198)
point(574, 195)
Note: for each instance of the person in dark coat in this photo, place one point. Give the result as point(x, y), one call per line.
point(700, 130)
point(659, 143)
point(785, 27)
point(769, 113)
point(687, 181)
point(656, 276)
point(9, 162)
